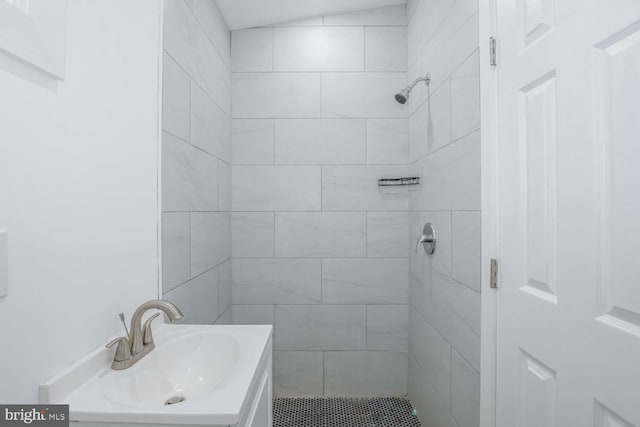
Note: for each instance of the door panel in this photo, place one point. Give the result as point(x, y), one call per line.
point(606, 418)
point(568, 186)
point(538, 19)
point(619, 88)
point(537, 394)
point(537, 136)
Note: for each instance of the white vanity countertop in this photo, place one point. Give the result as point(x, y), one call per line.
point(96, 393)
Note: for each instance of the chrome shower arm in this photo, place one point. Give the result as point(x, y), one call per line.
point(426, 79)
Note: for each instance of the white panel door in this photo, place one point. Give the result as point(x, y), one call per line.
point(568, 186)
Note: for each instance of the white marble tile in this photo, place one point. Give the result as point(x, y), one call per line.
point(365, 281)
point(197, 299)
point(276, 188)
point(454, 311)
point(439, 120)
point(433, 354)
point(425, 19)
point(224, 277)
point(215, 26)
point(386, 49)
point(451, 176)
point(362, 95)
point(417, 290)
point(175, 99)
point(210, 240)
point(252, 50)
point(387, 141)
point(252, 141)
point(435, 412)
point(465, 248)
point(298, 374)
point(185, 40)
point(252, 234)
point(224, 87)
point(309, 22)
point(210, 126)
point(388, 327)
point(320, 141)
point(276, 95)
point(176, 261)
point(189, 177)
point(318, 49)
point(277, 281)
point(320, 327)
point(225, 318)
point(416, 387)
point(453, 42)
point(465, 392)
point(387, 234)
point(320, 234)
point(411, 8)
point(365, 373)
point(355, 188)
point(419, 127)
point(415, 192)
point(391, 15)
point(177, 170)
point(224, 76)
point(204, 180)
point(253, 314)
point(224, 186)
point(465, 98)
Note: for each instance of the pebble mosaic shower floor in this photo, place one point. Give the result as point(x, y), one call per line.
point(343, 412)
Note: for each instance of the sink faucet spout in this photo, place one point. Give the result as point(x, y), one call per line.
point(172, 312)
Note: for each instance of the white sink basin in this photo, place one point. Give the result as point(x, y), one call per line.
point(208, 370)
point(188, 367)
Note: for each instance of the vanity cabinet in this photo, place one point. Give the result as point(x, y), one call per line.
point(224, 374)
point(260, 413)
point(258, 410)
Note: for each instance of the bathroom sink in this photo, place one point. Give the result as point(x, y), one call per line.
point(196, 375)
point(184, 369)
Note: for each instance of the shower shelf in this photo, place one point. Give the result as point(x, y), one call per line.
point(394, 182)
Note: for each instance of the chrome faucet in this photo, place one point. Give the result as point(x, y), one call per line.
point(130, 350)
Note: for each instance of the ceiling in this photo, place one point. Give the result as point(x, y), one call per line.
point(254, 13)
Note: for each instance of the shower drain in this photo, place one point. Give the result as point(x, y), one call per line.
point(175, 400)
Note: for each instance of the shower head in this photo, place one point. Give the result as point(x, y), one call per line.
point(403, 96)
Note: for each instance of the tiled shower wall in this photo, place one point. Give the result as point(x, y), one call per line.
point(196, 156)
point(444, 122)
point(319, 250)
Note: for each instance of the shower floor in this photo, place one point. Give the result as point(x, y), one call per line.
point(343, 412)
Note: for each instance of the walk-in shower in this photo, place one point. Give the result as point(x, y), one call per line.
point(403, 96)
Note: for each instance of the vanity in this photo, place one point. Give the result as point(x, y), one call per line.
point(197, 375)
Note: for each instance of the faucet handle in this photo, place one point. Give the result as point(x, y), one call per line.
point(122, 350)
point(147, 334)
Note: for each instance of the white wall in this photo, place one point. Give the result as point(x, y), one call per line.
point(319, 249)
point(444, 343)
point(196, 161)
point(79, 192)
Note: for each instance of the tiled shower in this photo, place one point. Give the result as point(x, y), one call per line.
point(312, 133)
point(273, 141)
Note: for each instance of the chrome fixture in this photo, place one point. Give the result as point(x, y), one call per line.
point(140, 343)
point(403, 96)
point(428, 239)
